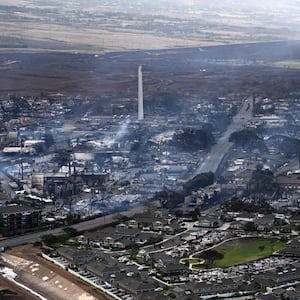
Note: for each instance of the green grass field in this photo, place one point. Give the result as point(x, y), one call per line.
point(243, 250)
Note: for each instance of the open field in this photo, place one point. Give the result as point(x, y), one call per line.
point(292, 64)
point(104, 26)
point(187, 72)
point(242, 250)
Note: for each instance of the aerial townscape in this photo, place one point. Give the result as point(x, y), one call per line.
point(149, 149)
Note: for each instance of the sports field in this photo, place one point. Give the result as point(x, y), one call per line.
point(240, 251)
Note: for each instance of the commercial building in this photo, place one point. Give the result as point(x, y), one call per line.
point(19, 217)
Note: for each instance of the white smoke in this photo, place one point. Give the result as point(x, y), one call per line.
point(121, 132)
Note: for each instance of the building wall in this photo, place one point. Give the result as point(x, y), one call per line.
point(24, 220)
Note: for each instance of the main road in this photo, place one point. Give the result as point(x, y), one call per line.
point(80, 227)
point(217, 152)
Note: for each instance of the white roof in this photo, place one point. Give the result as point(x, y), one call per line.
point(15, 150)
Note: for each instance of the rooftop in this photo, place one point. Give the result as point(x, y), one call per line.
point(13, 209)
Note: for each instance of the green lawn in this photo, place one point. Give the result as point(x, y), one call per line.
point(243, 250)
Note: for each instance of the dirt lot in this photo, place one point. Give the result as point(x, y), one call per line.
point(46, 278)
point(10, 291)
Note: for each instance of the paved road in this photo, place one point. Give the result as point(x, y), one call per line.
point(84, 226)
point(218, 151)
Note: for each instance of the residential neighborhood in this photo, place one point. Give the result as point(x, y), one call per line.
point(149, 150)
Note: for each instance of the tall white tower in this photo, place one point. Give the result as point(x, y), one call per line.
point(140, 95)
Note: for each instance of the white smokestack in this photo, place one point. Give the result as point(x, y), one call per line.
point(140, 95)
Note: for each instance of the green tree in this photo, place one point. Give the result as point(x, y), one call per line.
point(262, 181)
point(244, 137)
point(49, 140)
point(199, 181)
point(250, 227)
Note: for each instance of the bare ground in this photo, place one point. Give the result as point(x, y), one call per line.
point(45, 278)
point(15, 292)
point(184, 71)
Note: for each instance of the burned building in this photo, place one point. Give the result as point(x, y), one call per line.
point(65, 184)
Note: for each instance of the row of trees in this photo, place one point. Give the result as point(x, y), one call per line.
point(199, 181)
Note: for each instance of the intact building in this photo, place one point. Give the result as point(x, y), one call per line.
point(19, 217)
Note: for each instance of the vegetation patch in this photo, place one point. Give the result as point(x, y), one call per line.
point(199, 181)
point(56, 241)
point(240, 251)
point(192, 139)
point(244, 137)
